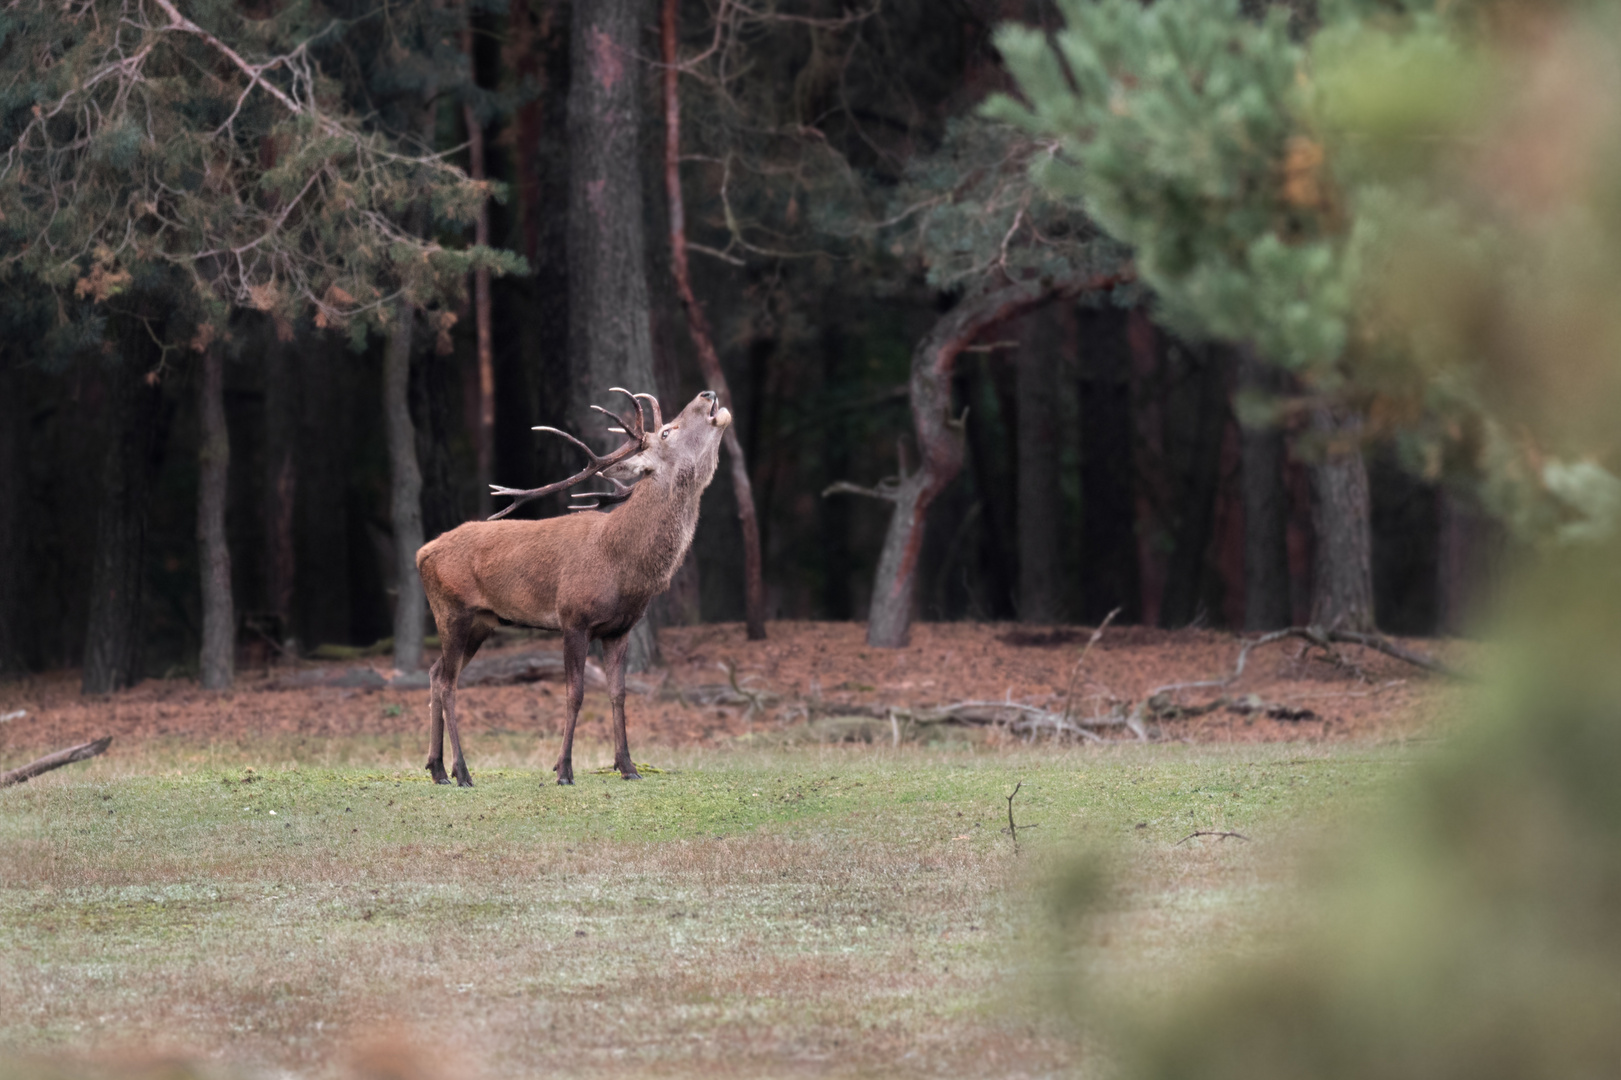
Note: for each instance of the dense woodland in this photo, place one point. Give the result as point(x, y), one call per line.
point(260, 345)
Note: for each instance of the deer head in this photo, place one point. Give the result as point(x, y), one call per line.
point(682, 451)
point(679, 453)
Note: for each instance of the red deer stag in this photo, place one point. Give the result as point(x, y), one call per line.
point(590, 575)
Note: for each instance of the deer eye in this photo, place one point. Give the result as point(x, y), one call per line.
point(665, 434)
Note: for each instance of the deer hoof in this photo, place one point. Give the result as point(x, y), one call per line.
point(436, 770)
point(632, 775)
point(565, 781)
point(463, 777)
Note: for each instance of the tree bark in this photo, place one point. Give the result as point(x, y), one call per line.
point(112, 648)
point(217, 659)
point(484, 430)
point(1342, 575)
point(1111, 575)
point(1040, 501)
point(702, 340)
point(1470, 547)
point(940, 437)
point(1266, 508)
point(610, 342)
point(1196, 411)
point(405, 490)
point(13, 539)
point(281, 485)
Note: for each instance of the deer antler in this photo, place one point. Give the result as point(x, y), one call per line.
point(620, 493)
point(658, 417)
point(636, 432)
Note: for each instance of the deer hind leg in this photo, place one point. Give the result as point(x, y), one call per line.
point(575, 645)
point(614, 653)
point(436, 715)
point(471, 636)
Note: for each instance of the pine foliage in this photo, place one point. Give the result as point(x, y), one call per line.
point(223, 161)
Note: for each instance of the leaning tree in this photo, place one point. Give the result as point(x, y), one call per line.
point(971, 220)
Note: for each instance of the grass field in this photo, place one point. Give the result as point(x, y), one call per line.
point(828, 911)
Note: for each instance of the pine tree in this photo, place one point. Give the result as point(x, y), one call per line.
point(182, 168)
point(1178, 127)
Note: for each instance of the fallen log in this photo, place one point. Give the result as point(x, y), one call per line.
point(55, 761)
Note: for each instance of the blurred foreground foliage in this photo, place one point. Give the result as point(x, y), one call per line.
point(1417, 206)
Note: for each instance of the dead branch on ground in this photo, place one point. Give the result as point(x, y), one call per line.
point(55, 761)
point(1209, 832)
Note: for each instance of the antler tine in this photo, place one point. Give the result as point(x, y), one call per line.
point(620, 493)
point(598, 463)
point(625, 426)
point(641, 417)
point(592, 454)
point(658, 416)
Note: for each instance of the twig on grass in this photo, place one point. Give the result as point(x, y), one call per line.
point(55, 761)
point(1204, 832)
point(1013, 830)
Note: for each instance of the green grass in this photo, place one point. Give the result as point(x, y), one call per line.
point(828, 911)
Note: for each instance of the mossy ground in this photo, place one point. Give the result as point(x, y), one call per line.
point(841, 911)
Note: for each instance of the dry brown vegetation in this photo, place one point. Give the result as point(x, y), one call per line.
point(1364, 695)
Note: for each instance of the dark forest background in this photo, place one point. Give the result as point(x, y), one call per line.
point(1103, 464)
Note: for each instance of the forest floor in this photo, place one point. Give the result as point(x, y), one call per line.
point(265, 883)
point(808, 682)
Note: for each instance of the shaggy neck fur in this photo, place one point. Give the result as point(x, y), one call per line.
point(649, 535)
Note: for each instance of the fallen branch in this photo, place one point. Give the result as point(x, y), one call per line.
point(55, 761)
point(1069, 694)
point(1202, 832)
point(1380, 643)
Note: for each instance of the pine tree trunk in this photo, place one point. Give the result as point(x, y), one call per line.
point(405, 491)
point(281, 484)
point(112, 645)
point(1196, 413)
point(484, 430)
point(610, 342)
point(1111, 573)
point(1040, 499)
point(1470, 551)
point(702, 340)
point(13, 539)
point(940, 438)
point(1266, 508)
point(217, 660)
point(1342, 576)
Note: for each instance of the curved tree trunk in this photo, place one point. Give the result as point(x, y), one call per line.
point(217, 660)
point(702, 340)
point(940, 438)
point(113, 634)
point(609, 330)
point(1342, 576)
point(405, 490)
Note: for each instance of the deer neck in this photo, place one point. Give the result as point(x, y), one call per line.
point(649, 535)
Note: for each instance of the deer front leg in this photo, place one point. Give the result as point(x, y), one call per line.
point(436, 716)
point(458, 767)
point(575, 645)
point(614, 653)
